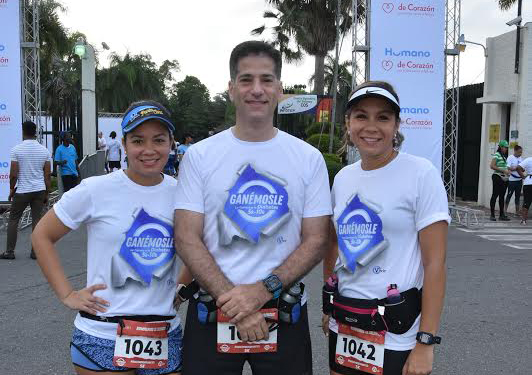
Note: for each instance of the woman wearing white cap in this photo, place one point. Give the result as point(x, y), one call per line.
point(385, 268)
point(126, 321)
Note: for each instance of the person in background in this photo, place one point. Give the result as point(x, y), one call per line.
point(67, 158)
point(169, 168)
point(182, 148)
point(515, 182)
point(114, 152)
point(500, 180)
point(525, 171)
point(102, 146)
point(29, 180)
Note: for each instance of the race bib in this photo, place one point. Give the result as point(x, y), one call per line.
point(360, 350)
point(228, 339)
point(141, 345)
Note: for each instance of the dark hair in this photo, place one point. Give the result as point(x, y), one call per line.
point(29, 129)
point(399, 138)
point(113, 134)
point(505, 154)
point(517, 148)
point(254, 47)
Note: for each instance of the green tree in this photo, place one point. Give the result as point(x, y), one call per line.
point(312, 25)
point(131, 78)
point(189, 103)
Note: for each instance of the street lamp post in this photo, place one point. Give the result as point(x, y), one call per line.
point(88, 95)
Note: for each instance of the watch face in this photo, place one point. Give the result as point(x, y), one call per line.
point(425, 338)
point(272, 283)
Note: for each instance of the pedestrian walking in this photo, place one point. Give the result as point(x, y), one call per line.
point(114, 153)
point(385, 268)
point(499, 179)
point(66, 158)
point(29, 180)
point(525, 171)
point(252, 211)
point(102, 146)
point(182, 148)
point(126, 320)
point(515, 182)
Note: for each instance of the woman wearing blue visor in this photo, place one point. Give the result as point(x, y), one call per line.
point(385, 268)
point(126, 321)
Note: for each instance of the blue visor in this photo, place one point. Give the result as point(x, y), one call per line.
point(139, 115)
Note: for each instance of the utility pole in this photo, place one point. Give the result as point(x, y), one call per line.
point(335, 78)
point(518, 37)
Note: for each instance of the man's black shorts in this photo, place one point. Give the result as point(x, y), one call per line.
point(394, 361)
point(200, 357)
point(115, 164)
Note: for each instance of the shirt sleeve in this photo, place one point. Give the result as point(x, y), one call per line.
point(317, 191)
point(13, 155)
point(57, 154)
point(190, 189)
point(431, 204)
point(75, 206)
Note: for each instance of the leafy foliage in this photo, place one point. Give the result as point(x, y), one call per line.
point(334, 164)
point(507, 4)
point(321, 142)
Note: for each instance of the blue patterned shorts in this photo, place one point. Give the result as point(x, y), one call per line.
point(96, 354)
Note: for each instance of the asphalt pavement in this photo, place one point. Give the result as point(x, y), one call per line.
point(485, 326)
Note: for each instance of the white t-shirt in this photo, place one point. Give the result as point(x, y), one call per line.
point(102, 144)
point(114, 150)
point(31, 157)
point(527, 166)
point(377, 215)
point(254, 196)
point(130, 245)
point(513, 162)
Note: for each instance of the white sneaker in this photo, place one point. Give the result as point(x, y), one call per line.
point(523, 222)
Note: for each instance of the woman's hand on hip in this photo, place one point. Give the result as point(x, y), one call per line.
point(84, 300)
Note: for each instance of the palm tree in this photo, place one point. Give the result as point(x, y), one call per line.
point(507, 4)
point(312, 26)
point(131, 78)
point(344, 76)
point(283, 31)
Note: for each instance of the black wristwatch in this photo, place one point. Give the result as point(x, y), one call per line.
point(427, 338)
point(274, 285)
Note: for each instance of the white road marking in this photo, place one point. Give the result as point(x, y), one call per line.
point(523, 246)
point(516, 230)
point(506, 237)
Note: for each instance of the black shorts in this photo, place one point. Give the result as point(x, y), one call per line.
point(200, 357)
point(394, 361)
point(115, 164)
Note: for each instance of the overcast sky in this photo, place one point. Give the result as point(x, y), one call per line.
point(200, 34)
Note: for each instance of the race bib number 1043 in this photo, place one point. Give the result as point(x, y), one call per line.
point(141, 345)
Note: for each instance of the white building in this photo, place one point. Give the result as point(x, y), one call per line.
point(507, 103)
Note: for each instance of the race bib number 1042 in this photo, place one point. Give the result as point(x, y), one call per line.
point(360, 350)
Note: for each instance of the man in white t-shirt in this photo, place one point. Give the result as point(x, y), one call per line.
point(515, 182)
point(114, 152)
point(29, 179)
point(102, 146)
point(252, 211)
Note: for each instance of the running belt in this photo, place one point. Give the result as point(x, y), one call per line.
point(117, 319)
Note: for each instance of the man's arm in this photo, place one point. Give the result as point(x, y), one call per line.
point(13, 178)
point(47, 179)
point(244, 300)
point(190, 247)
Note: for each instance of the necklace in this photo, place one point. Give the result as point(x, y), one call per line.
point(388, 158)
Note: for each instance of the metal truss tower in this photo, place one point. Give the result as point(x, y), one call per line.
point(361, 10)
point(451, 104)
point(31, 86)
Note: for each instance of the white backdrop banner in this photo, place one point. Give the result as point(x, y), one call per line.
point(10, 88)
point(407, 50)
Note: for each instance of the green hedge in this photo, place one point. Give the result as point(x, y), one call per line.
point(323, 141)
point(316, 128)
point(334, 164)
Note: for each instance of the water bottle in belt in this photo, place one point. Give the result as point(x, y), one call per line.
point(290, 304)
